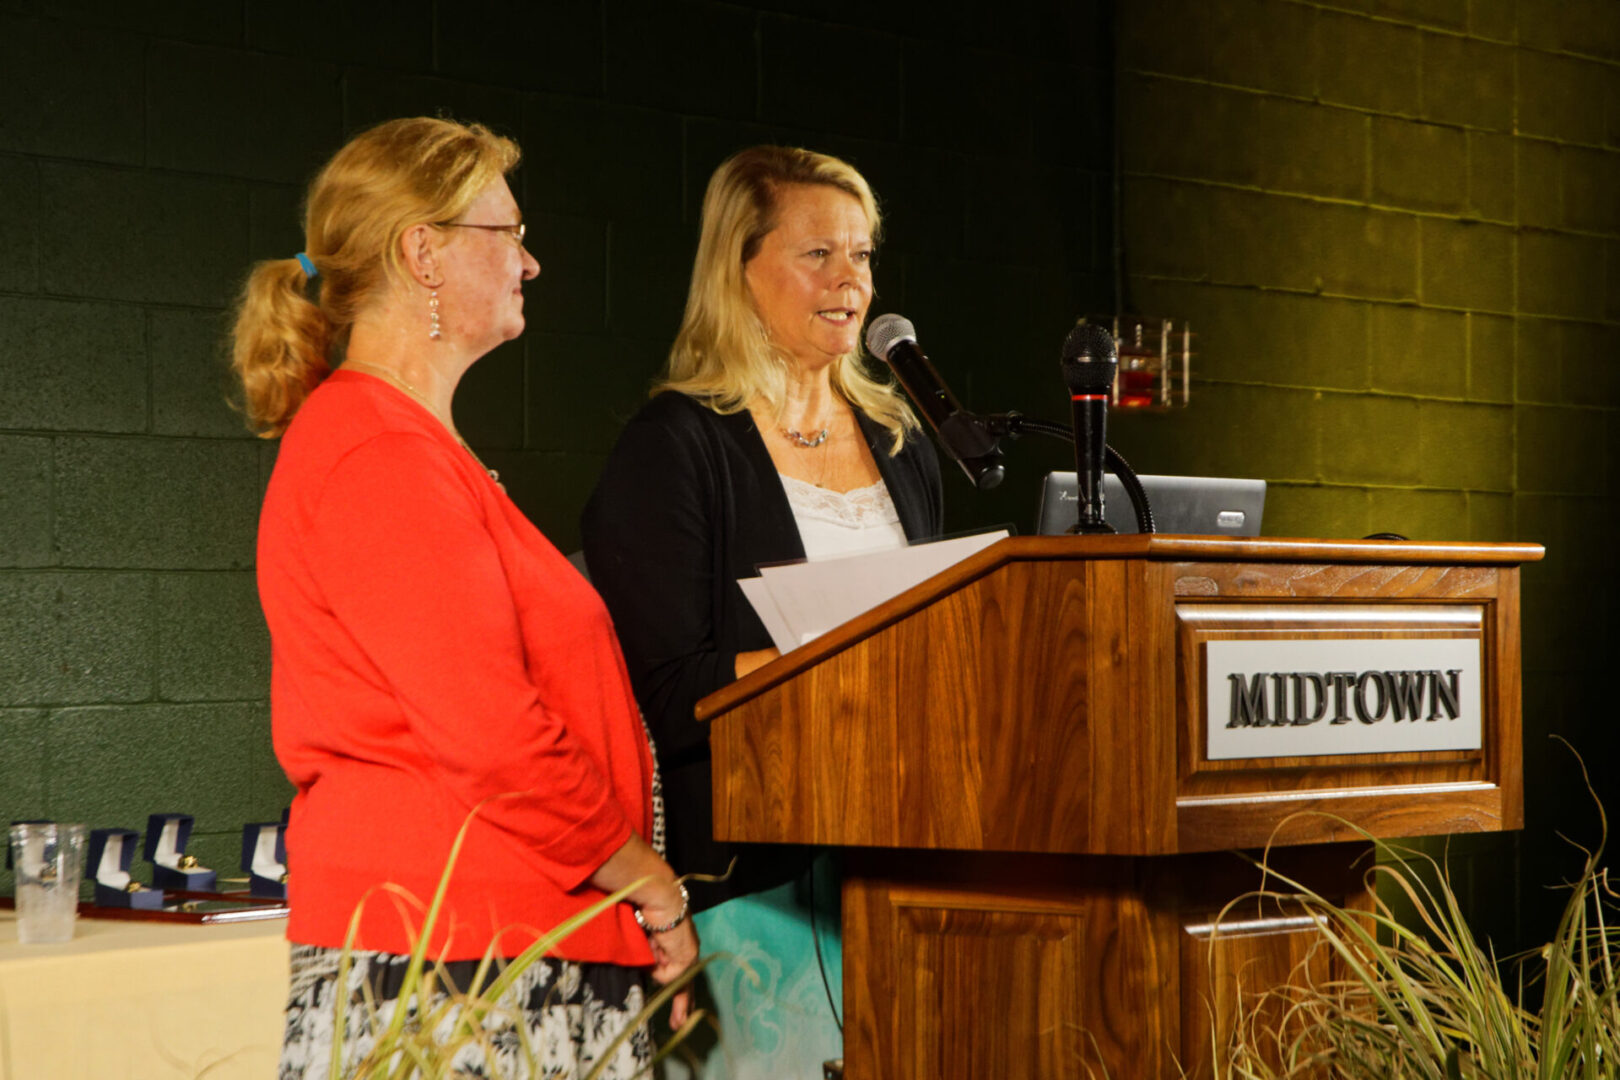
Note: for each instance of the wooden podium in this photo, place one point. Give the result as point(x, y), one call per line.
point(1017, 756)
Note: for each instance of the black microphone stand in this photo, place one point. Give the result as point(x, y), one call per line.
point(1015, 425)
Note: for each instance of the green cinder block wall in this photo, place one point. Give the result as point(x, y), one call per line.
point(1395, 225)
point(149, 153)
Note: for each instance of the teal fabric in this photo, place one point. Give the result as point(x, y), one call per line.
point(768, 998)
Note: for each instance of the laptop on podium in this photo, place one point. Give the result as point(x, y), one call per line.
point(1183, 505)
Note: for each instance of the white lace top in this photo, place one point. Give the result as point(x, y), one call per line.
point(833, 523)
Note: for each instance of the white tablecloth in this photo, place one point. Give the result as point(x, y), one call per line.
point(143, 1001)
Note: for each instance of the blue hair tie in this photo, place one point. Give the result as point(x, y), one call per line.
point(309, 267)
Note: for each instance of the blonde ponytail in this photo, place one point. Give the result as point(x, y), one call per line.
point(279, 345)
point(384, 181)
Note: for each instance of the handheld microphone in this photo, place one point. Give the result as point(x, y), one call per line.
point(892, 339)
point(1090, 362)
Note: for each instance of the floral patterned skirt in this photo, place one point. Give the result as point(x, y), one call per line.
point(558, 1020)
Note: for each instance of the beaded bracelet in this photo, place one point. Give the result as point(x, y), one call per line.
point(686, 904)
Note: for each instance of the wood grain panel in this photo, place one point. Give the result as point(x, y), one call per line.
point(1324, 817)
point(1017, 975)
point(1149, 723)
point(1233, 957)
point(999, 717)
point(1505, 735)
point(1034, 730)
point(1302, 580)
point(800, 765)
point(1231, 970)
point(937, 748)
point(987, 968)
point(864, 773)
point(1043, 966)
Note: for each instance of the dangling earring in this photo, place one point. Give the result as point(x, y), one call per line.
point(433, 314)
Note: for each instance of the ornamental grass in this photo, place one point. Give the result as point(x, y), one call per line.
point(1422, 997)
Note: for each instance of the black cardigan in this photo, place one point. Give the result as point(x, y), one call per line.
point(689, 502)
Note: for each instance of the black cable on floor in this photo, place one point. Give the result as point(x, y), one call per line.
point(815, 938)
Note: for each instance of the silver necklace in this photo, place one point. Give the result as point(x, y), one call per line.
point(803, 442)
point(403, 384)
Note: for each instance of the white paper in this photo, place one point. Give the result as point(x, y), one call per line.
point(801, 601)
point(760, 596)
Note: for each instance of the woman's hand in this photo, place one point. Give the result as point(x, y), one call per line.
point(755, 658)
point(660, 902)
point(673, 953)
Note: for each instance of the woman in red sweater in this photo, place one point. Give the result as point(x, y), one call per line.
point(433, 655)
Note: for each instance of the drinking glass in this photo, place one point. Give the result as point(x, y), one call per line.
point(48, 860)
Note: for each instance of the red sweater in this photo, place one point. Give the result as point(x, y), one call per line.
point(431, 649)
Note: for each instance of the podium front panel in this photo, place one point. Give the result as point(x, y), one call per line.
point(1385, 791)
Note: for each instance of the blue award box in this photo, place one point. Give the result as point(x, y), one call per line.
point(111, 851)
point(264, 857)
point(172, 868)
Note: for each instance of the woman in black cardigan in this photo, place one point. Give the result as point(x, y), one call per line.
point(765, 406)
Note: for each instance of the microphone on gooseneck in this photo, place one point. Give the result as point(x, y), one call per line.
point(1090, 361)
point(892, 339)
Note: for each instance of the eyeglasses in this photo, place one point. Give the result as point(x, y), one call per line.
point(516, 232)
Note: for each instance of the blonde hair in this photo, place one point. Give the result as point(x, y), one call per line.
point(722, 355)
point(384, 181)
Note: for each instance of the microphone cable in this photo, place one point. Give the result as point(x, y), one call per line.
point(1013, 425)
point(815, 939)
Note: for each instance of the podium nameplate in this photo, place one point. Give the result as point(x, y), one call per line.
point(1344, 695)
